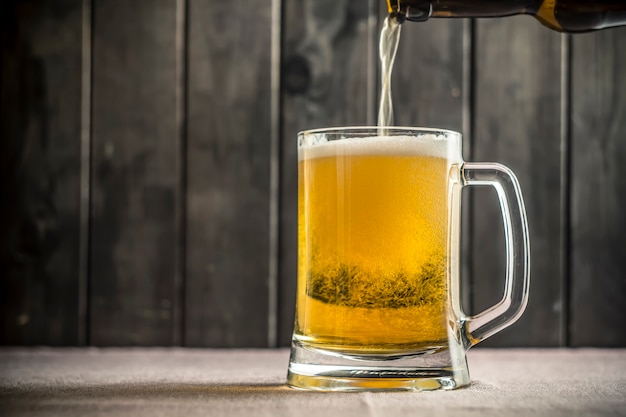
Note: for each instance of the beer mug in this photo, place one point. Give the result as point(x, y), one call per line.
point(378, 300)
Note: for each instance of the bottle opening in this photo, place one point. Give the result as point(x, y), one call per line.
point(413, 10)
point(418, 13)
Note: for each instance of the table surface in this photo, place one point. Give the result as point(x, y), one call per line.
point(209, 382)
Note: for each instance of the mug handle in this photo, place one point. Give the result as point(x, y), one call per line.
point(513, 303)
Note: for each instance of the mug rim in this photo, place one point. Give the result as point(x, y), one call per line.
point(413, 129)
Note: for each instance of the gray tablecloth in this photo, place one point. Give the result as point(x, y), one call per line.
point(205, 382)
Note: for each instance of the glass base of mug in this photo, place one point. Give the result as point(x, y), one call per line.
point(316, 369)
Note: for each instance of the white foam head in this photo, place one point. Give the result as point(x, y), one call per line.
point(432, 145)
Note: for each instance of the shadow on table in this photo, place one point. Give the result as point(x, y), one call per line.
point(163, 390)
point(144, 391)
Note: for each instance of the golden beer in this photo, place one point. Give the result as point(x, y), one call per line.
point(373, 245)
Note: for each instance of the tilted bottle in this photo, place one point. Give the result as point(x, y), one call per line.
point(561, 15)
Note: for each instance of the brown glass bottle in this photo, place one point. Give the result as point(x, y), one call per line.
point(561, 15)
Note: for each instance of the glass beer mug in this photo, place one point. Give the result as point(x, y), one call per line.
point(378, 304)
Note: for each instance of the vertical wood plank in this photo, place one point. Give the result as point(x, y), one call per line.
point(40, 171)
point(428, 76)
point(328, 79)
point(229, 152)
point(135, 173)
point(517, 123)
point(598, 219)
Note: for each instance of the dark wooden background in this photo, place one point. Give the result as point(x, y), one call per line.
point(148, 162)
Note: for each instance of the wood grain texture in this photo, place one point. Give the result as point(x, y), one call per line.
point(135, 173)
point(228, 171)
point(598, 198)
point(428, 75)
point(328, 79)
point(517, 123)
point(40, 171)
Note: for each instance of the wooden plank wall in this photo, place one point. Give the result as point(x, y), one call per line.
point(228, 156)
point(135, 168)
point(516, 112)
point(40, 163)
point(148, 162)
point(598, 189)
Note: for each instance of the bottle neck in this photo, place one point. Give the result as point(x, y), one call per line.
point(562, 15)
point(420, 10)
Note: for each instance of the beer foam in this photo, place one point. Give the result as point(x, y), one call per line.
point(431, 145)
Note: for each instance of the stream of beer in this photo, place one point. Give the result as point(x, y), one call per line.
point(389, 39)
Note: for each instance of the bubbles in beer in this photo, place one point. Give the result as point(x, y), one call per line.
point(349, 286)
